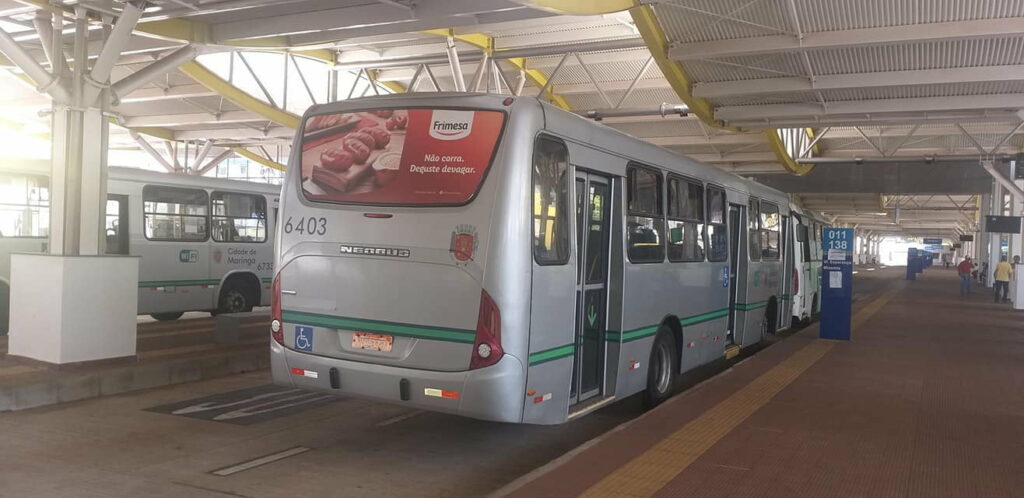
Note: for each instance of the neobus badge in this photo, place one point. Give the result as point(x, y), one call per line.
point(451, 125)
point(376, 251)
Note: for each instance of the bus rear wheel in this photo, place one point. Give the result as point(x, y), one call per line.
point(236, 297)
point(661, 370)
point(167, 317)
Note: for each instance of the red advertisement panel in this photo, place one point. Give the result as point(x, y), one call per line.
point(414, 156)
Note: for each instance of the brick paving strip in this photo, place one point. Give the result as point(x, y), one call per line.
point(652, 470)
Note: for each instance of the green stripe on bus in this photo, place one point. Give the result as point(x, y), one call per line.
point(377, 326)
point(177, 283)
point(267, 280)
point(640, 333)
point(704, 317)
point(785, 297)
point(552, 354)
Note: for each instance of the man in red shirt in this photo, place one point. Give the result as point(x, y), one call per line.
point(964, 269)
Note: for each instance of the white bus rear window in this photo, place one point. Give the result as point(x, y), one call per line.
point(398, 156)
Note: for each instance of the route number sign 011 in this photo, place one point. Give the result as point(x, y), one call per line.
point(837, 284)
point(838, 244)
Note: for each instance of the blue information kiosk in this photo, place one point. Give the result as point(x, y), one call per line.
point(836, 283)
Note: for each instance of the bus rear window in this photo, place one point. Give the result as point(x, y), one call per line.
point(417, 157)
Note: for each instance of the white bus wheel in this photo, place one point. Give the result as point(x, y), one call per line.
point(661, 369)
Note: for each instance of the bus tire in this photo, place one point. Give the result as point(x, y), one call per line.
point(815, 312)
point(769, 325)
point(661, 369)
point(237, 296)
point(167, 317)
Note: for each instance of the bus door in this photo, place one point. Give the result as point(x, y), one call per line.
point(785, 304)
point(734, 259)
point(116, 227)
point(593, 194)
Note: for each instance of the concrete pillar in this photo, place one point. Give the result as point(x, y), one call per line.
point(76, 303)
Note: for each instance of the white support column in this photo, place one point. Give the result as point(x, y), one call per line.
point(76, 303)
point(453, 61)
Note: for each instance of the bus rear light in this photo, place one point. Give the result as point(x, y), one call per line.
point(276, 327)
point(796, 282)
point(487, 346)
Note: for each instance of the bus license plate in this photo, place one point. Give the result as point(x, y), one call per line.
point(375, 342)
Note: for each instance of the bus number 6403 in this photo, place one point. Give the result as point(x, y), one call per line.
point(311, 226)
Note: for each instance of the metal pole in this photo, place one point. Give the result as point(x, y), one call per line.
point(151, 151)
point(478, 76)
point(520, 83)
point(203, 152)
point(219, 158)
point(456, 67)
point(111, 50)
point(46, 82)
point(632, 84)
point(415, 79)
point(593, 80)
point(433, 80)
point(551, 77)
point(150, 73)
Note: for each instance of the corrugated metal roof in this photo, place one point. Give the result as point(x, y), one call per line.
point(699, 20)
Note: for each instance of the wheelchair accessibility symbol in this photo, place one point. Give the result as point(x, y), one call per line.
point(304, 338)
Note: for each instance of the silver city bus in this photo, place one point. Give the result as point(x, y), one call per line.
point(499, 258)
point(204, 243)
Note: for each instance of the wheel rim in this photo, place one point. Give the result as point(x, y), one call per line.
point(235, 301)
point(663, 374)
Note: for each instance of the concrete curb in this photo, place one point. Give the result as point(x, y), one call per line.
point(106, 382)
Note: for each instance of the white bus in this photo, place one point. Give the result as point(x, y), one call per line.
point(806, 272)
point(499, 258)
point(206, 244)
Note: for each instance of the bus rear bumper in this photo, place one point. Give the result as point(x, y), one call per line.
point(494, 393)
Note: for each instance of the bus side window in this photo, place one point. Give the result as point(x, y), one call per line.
point(238, 217)
point(770, 226)
point(685, 220)
point(173, 213)
point(718, 234)
point(550, 202)
point(754, 229)
point(644, 223)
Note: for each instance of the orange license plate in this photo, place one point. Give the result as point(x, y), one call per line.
point(373, 342)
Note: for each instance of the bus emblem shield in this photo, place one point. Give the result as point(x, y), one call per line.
point(464, 243)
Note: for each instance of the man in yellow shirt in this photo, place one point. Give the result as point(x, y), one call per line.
point(1002, 280)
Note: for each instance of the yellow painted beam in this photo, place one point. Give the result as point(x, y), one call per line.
point(657, 43)
point(783, 156)
point(242, 99)
point(252, 156)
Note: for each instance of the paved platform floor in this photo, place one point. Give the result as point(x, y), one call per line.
point(927, 400)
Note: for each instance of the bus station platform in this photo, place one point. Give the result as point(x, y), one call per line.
point(925, 400)
point(168, 353)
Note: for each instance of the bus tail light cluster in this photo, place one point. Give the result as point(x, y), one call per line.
point(796, 282)
point(276, 327)
point(487, 346)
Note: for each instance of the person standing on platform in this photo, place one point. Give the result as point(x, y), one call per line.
point(964, 269)
point(1002, 280)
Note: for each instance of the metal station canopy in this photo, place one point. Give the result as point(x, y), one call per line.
point(753, 86)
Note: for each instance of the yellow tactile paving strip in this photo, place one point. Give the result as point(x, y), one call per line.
point(652, 470)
